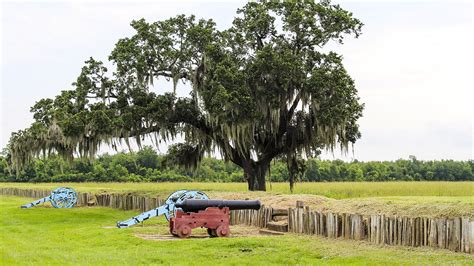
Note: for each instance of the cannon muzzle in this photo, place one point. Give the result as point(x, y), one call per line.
point(194, 205)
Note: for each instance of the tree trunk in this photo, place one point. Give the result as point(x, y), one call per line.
point(255, 175)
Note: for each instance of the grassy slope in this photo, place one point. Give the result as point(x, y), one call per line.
point(47, 236)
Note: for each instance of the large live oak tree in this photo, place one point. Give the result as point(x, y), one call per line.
point(262, 89)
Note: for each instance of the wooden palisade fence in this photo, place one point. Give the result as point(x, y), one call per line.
point(111, 200)
point(456, 234)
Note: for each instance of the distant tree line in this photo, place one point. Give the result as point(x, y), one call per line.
point(146, 165)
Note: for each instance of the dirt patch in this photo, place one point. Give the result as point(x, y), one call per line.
point(165, 237)
point(201, 233)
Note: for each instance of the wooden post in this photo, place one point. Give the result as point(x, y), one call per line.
point(466, 235)
point(454, 234)
point(441, 224)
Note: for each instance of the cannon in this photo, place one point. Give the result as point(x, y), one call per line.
point(61, 197)
point(188, 209)
point(211, 214)
point(168, 209)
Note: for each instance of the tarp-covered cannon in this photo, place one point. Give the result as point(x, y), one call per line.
point(168, 209)
point(61, 197)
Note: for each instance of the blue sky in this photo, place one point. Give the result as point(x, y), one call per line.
point(412, 65)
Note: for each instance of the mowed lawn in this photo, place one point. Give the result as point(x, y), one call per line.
point(336, 190)
point(85, 235)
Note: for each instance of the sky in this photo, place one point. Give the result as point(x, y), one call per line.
point(412, 65)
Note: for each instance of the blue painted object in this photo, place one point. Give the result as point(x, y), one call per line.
point(61, 197)
point(168, 209)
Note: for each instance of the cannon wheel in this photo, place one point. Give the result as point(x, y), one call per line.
point(223, 231)
point(178, 197)
point(184, 231)
point(63, 197)
point(212, 232)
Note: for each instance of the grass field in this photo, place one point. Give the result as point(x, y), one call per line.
point(336, 190)
point(48, 236)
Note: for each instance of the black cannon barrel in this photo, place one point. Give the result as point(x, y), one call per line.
point(194, 205)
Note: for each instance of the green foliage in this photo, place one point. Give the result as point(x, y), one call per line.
point(400, 170)
point(147, 165)
point(3, 168)
point(147, 158)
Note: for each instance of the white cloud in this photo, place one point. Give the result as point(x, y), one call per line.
point(416, 81)
point(412, 65)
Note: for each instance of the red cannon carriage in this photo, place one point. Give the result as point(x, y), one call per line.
point(211, 214)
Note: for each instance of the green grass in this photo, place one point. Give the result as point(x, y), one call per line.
point(47, 236)
point(336, 190)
